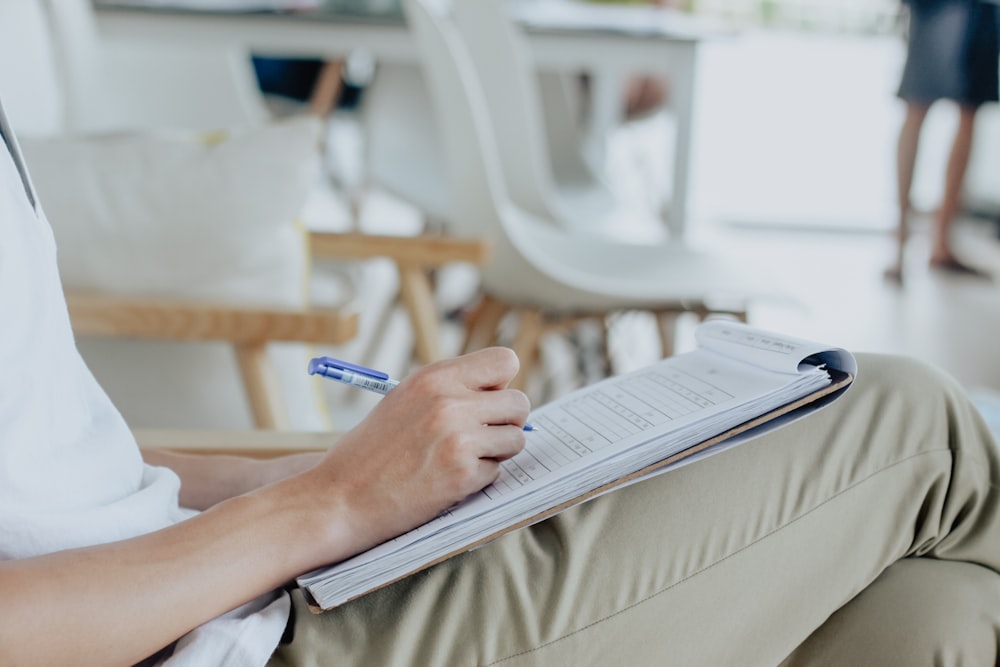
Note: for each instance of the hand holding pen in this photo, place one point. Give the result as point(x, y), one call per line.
point(359, 376)
point(441, 435)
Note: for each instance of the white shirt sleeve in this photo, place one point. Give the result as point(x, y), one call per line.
point(70, 472)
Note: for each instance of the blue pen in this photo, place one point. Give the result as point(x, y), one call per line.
point(359, 376)
point(352, 374)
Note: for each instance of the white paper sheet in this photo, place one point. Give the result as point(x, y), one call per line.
point(603, 433)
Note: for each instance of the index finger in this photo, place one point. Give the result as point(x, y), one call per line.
point(486, 369)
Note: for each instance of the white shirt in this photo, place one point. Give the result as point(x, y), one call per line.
point(71, 474)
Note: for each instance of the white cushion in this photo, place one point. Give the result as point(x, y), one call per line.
point(206, 216)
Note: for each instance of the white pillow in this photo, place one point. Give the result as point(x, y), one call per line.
point(193, 216)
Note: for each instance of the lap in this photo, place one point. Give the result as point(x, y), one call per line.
point(759, 545)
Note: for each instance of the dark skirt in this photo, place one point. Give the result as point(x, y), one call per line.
point(952, 52)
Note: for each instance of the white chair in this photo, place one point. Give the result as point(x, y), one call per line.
point(543, 272)
point(402, 153)
point(528, 107)
point(567, 134)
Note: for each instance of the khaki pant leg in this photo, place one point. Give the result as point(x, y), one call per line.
point(921, 612)
point(737, 559)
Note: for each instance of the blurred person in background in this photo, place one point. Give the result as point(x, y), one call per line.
point(952, 54)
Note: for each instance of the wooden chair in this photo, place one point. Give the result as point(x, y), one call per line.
point(415, 258)
point(249, 329)
point(254, 444)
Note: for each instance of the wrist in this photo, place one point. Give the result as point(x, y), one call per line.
point(313, 518)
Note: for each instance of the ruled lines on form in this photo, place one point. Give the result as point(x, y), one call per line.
point(601, 418)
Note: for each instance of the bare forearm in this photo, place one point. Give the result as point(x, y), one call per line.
point(437, 438)
point(118, 603)
point(208, 480)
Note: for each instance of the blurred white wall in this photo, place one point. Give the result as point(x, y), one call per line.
point(29, 86)
point(56, 74)
point(800, 128)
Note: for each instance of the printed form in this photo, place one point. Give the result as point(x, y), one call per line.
point(602, 433)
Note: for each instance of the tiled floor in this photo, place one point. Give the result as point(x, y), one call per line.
point(842, 298)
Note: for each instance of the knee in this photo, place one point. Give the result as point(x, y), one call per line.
point(920, 389)
point(911, 400)
point(897, 373)
point(918, 612)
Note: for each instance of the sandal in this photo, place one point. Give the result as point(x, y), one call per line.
point(952, 265)
point(894, 274)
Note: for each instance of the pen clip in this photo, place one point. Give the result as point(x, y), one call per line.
point(317, 364)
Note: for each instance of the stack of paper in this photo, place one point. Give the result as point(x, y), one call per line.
point(609, 434)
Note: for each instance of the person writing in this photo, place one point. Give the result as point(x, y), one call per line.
point(952, 53)
point(791, 549)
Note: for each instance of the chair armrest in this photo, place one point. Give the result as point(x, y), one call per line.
point(154, 317)
point(415, 257)
point(255, 444)
point(248, 329)
point(424, 250)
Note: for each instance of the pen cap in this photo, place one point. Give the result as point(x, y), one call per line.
point(318, 364)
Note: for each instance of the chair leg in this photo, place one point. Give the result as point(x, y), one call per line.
point(377, 339)
point(261, 384)
point(666, 323)
point(481, 327)
point(604, 322)
point(590, 336)
point(530, 327)
point(418, 297)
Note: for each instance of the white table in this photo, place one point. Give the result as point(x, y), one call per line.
point(607, 42)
